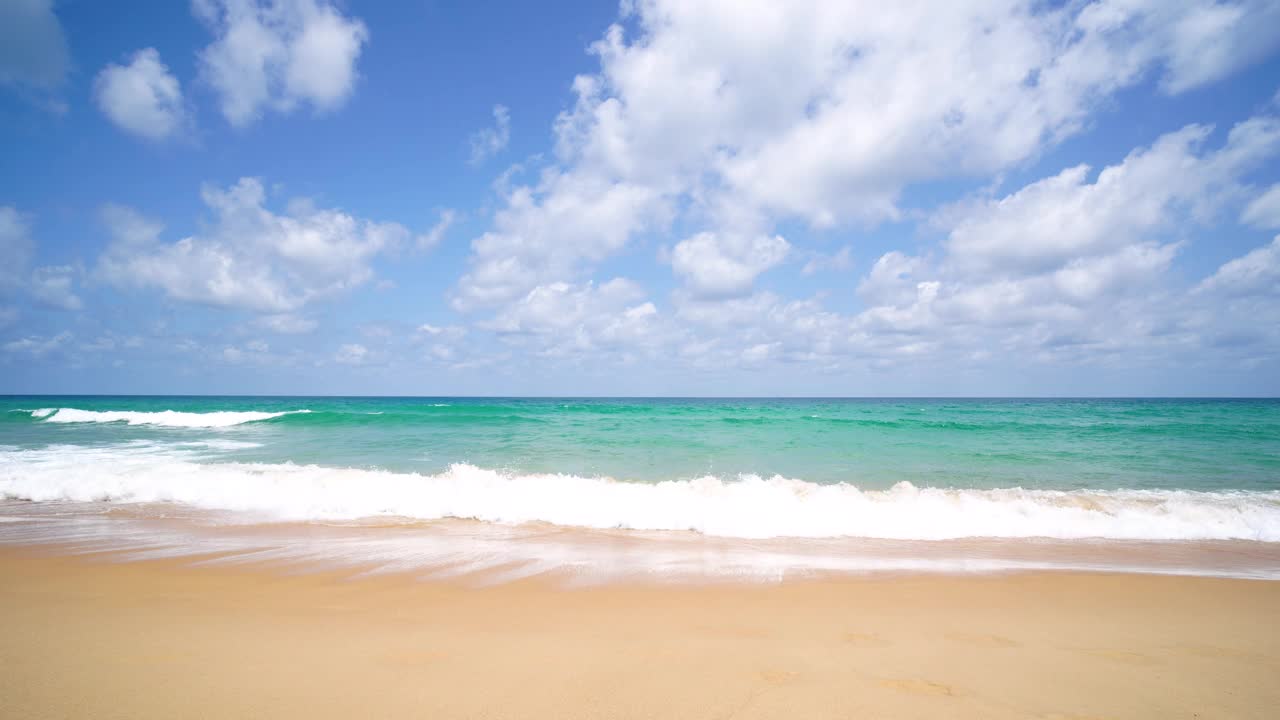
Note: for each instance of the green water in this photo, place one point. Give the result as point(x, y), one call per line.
point(871, 443)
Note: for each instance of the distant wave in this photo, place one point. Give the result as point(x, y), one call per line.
point(435, 414)
point(748, 506)
point(164, 418)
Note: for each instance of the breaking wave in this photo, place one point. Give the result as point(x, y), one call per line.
point(165, 418)
point(747, 506)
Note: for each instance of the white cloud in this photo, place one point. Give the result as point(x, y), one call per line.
point(490, 141)
point(726, 265)
point(1066, 269)
point(762, 326)
point(142, 97)
point(739, 116)
point(248, 257)
point(1256, 273)
point(279, 54)
point(131, 228)
point(37, 346)
point(1054, 220)
point(892, 280)
point(452, 332)
point(1264, 211)
point(1086, 279)
point(433, 236)
point(52, 286)
point(563, 320)
point(560, 305)
point(548, 231)
point(33, 48)
point(1072, 268)
point(351, 354)
point(444, 345)
point(1211, 39)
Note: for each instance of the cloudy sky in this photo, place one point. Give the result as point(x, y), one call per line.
point(667, 197)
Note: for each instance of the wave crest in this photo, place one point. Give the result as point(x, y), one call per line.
point(163, 418)
point(746, 507)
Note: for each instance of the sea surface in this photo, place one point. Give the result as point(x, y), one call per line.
point(653, 487)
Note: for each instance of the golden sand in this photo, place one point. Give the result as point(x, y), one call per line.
point(95, 639)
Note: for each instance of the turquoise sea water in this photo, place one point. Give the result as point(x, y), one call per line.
point(759, 487)
point(872, 443)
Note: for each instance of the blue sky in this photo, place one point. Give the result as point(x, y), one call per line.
point(659, 198)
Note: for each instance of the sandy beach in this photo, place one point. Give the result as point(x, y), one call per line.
point(89, 637)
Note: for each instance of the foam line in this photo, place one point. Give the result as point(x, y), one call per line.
point(746, 506)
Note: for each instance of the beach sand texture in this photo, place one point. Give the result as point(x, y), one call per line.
point(90, 638)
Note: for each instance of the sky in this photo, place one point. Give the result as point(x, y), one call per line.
point(658, 197)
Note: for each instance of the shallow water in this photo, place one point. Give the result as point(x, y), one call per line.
point(1130, 474)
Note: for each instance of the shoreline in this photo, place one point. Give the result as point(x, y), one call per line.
point(161, 638)
point(488, 551)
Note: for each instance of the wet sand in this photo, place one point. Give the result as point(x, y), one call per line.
point(91, 638)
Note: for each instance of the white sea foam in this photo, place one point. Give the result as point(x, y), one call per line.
point(746, 507)
point(38, 413)
point(165, 418)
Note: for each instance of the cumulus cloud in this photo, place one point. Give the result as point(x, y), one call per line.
point(1209, 40)
point(1066, 216)
point(490, 141)
point(741, 116)
point(33, 47)
point(248, 256)
point(1074, 267)
point(548, 231)
point(278, 55)
point(1070, 264)
point(563, 320)
point(1264, 211)
point(726, 265)
point(1255, 273)
point(764, 326)
point(142, 97)
point(892, 279)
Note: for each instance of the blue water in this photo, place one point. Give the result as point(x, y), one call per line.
point(751, 468)
point(873, 443)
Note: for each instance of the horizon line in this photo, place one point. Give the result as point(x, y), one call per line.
point(651, 397)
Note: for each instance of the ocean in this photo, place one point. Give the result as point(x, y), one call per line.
point(598, 488)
